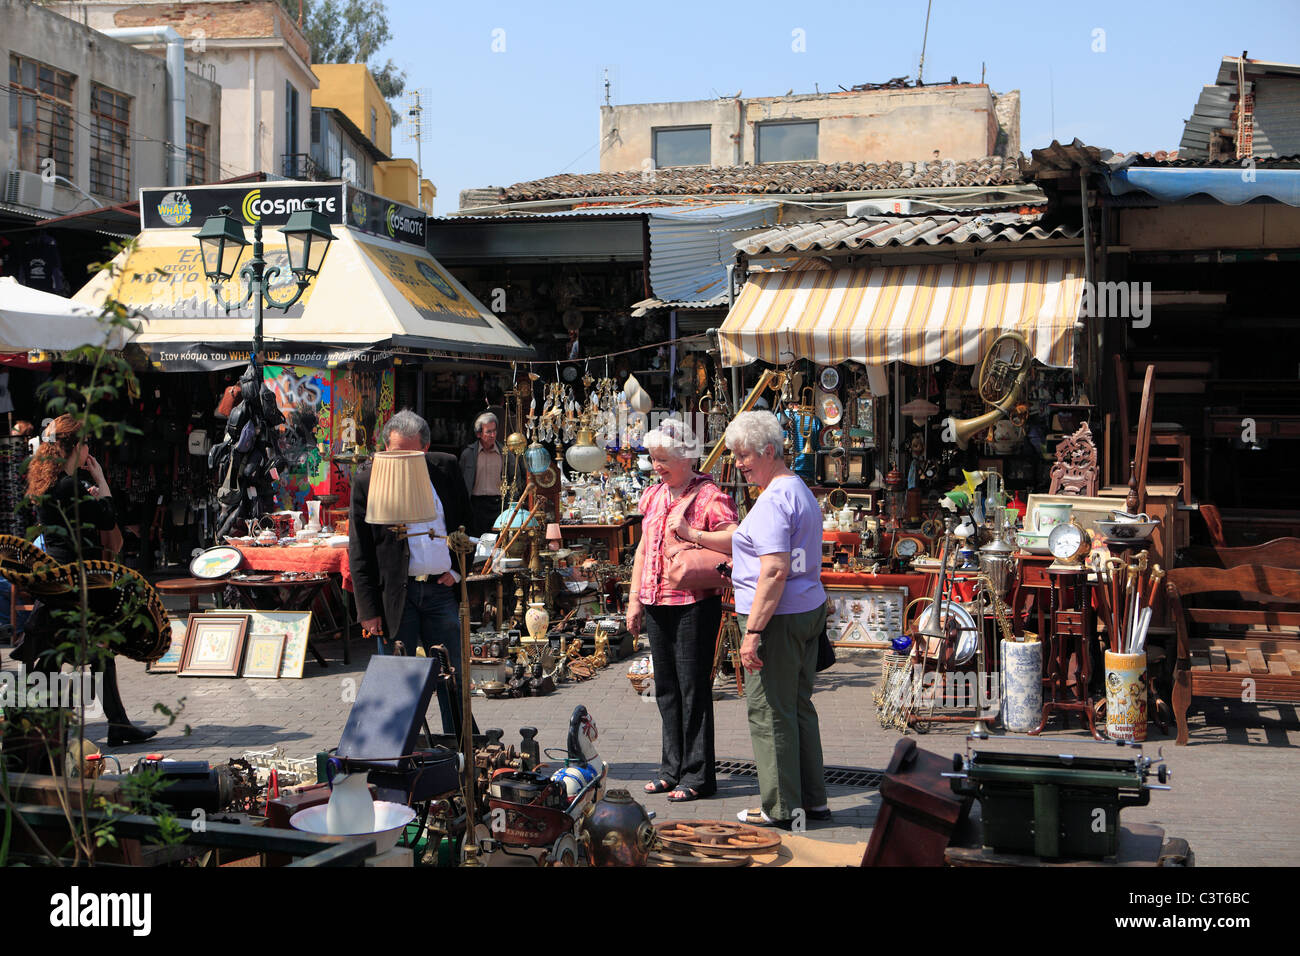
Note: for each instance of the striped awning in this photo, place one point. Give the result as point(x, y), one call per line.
point(914, 314)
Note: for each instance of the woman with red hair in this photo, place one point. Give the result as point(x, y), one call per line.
point(62, 472)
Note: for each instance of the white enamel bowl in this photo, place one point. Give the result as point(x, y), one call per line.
point(390, 820)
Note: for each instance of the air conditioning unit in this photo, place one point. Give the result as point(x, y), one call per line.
point(880, 207)
point(28, 189)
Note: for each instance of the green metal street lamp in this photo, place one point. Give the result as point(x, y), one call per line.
point(307, 239)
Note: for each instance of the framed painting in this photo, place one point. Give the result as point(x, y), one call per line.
point(214, 645)
point(864, 616)
point(171, 661)
point(294, 627)
point(265, 652)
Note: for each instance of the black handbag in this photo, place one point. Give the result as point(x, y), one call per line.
point(825, 652)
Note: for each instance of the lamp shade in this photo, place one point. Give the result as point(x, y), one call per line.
point(583, 455)
point(221, 244)
point(536, 458)
point(307, 236)
point(400, 492)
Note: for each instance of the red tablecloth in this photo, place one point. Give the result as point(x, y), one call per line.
point(331, 560)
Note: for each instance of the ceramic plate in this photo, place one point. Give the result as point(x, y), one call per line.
point(830, 378)
point(829, 409)
point(216, 563)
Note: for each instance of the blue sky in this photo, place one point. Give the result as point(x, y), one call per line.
point(530, 110)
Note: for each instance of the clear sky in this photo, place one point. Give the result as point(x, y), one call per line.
point(515, 88)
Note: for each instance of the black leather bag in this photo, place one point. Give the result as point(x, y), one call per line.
point(825, 652)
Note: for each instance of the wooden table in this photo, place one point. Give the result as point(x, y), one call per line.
point(616, 536)
point(1140, 844)
point(192, 587)
point(299, 594)
point(319, 559)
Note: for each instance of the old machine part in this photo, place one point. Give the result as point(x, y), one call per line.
point(544, 808)
point(619, 831)
point(716, 837)
point(1056, 805)
point(191, 784)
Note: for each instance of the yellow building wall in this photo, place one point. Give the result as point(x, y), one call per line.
point(349, 88)
point(398, 179)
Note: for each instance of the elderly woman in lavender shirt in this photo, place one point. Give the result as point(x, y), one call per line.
point(776, 553)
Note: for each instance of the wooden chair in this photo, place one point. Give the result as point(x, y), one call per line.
point(1278, 553)
point(1255, 661)
point(1172, 440)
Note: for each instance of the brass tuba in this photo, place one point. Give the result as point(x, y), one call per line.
point(1002, 375)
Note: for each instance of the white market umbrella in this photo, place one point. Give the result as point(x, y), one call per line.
point(34, 320)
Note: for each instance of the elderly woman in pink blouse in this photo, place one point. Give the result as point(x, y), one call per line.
point(682, 625)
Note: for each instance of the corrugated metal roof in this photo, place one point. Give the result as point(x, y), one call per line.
point(1276, 88)
point(848, 234)
point(639, 309)
point(691, 248)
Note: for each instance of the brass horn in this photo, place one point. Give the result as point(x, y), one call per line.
point(1002, 375)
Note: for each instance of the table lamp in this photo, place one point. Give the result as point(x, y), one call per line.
point(400, 492)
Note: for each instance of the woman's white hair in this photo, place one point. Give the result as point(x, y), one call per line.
point(675, 437)
point(755, 431)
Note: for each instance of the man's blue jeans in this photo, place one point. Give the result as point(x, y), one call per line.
point(431, 617)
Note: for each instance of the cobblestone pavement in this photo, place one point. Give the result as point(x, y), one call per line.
point(1235, 788)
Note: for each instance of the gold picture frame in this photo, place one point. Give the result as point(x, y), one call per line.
point(264, 655)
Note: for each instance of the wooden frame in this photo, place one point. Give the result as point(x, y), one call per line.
point(214, 645)
point(869, 616)
point(264, 655)
point(170, 662)
point(293, 626)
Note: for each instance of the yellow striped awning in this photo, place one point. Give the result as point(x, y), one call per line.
point(914, 314)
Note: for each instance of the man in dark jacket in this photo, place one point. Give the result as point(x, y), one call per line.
point(482, 466)
point(405, 589)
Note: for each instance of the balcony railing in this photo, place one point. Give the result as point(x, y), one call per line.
point(302, 166)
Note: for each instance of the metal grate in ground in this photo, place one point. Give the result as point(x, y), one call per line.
point(861, 777)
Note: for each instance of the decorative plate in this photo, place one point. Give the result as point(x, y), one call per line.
point(830, 378)
point(546, 479)
point(829, 409)
point(216, 562)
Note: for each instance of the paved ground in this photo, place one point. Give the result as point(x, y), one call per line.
point(1235, 787)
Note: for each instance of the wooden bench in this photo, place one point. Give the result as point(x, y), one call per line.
point(1249, 652)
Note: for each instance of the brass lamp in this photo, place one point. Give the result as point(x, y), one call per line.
point(400, 492)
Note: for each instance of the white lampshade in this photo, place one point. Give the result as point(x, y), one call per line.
point(583, 455)
point(400, 492)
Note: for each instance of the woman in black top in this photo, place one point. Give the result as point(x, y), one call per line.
point(63, 472)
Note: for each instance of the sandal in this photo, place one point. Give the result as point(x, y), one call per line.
point(687, 795)
point(757, 818)
point(657, 786)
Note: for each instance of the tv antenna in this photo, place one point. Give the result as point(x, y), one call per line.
point(413, 131)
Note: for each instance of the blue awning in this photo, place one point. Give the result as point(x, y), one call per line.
point(1233, 186)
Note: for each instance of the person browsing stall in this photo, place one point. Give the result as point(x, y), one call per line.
point(481, 466)
point(62, 472)
point(405, 588)
point(776, 574)
point(682, 624)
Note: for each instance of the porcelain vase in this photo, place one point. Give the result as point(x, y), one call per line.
point(537, 621)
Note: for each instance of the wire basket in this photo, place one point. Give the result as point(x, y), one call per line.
point(893, 699)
